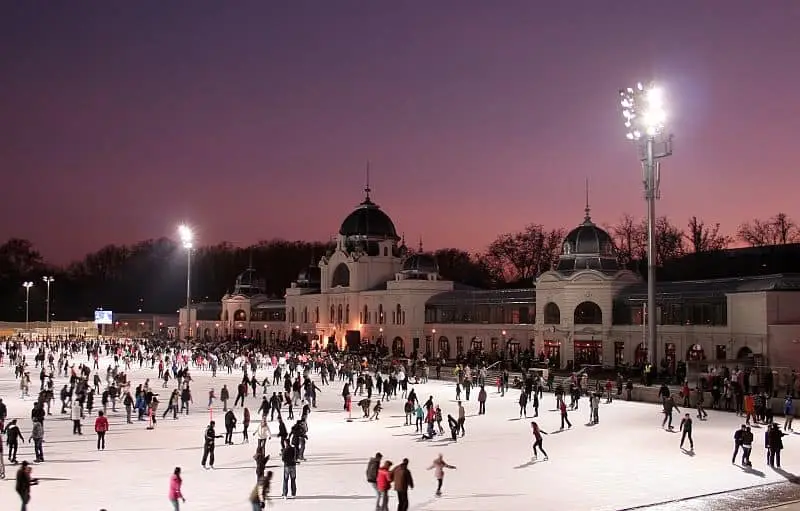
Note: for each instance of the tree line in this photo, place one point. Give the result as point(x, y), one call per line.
point(150, 276)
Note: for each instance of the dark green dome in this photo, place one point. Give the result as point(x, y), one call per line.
point(368, 221)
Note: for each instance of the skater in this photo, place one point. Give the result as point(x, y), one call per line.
point(523, 403)
point(482, 401)
point(208, 445)
point(737, 442)
point(438, 466)
point(263, 433)
point(537, 441)
point(461, 418)
point(75, 414)
point(669, 407)
point(747, 446)
point(37, 437)
point(788, 413)
point(230, 425)
point(175, 493)
point(100, 427)
point(453, 423)
point(686, 427)
point(24, 483)
point(373, 465)
point(289, 458)
point(245, 425)
point(383, 485)
point(13, 436)
point(403, 481)
point(564, 417)
point(259, 496)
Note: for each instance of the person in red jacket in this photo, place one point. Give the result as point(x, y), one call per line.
point(100, 427)
point(384, 484)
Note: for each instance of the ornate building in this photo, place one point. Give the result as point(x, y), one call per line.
point(588, 310)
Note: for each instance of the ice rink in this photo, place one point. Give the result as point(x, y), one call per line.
point(626, 461)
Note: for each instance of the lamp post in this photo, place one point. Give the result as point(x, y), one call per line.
point(27, 285)
point(187, 238)
point(48, 281)
point(645, 117)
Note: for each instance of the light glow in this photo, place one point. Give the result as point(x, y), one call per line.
point(186, 235)
point(643, 110)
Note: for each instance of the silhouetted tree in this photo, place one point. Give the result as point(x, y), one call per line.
point(522, 256)
point(461, 266)
point(778, 230)
point(702, 238)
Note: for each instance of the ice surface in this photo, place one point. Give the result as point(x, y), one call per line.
point(627, 460)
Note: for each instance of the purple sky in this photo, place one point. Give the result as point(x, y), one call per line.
point(254, 119)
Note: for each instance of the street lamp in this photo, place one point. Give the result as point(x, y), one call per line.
point(27, 285)
point(48, 281)
point(187, 239)
point(645, 118)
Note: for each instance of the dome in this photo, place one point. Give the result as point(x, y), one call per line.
point(421, 263)
point(310, 277)
point(248, 283)
point(587, 238)
point(588, 247)
point(369, 221)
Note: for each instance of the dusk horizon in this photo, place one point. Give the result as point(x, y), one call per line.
point(256, 122)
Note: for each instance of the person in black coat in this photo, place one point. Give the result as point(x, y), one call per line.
point(24, 483)
point(208, 445)
point(230, 425)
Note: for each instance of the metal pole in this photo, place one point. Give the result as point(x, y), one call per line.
point(188, 291)
point(652, 310)
point(27, 310)
point(47, 337)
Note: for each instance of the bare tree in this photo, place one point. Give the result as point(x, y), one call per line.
point(630, 240)
point(523, 255)
point(703, 238)
point(778, 230)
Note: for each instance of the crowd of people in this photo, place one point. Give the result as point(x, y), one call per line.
point(93, 370)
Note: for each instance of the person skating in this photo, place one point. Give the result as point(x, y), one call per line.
point(461, 418)
point(403, 481)
point(24, 483)
point(230, 425)
point(75, 414)
point(37, 437)
point(669, 406)
point(13, 437)
point(747, 446)
point(737, 442)
point(775, 439)
point(289, 458)
point(100, 427)
point(482, 401)
point(373, 465)
point(788, 413)
point(175, 493)
point(453, 424)
point(383, 485)
point(537, 441)
point(438, 466)
point(209, 445)
point(564, 416)
point(523, 403)
point(686, 427)
point(263, 433)
point(259, 496)
point(245, 425)
point(261, 459)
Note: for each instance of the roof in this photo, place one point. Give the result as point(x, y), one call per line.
point(270, 304)
point(714, 287)
point(421, 263)
point(367, 220)
point(483, 297)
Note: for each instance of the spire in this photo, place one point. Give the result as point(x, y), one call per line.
point(420, 245)
point(367, 189)
point(250, 263)
point(587, 219)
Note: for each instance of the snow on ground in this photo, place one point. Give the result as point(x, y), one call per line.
point(625, 461)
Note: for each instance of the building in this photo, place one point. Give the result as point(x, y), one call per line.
point(588, 310)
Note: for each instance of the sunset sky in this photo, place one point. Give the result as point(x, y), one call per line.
point(254, 119)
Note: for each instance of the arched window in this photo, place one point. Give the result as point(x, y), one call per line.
point(399, 315)
point(333, 314)
point(744, 353)
point(398, 347)
point(444, 347)
point(240, 315)
point(341, 276)
point(305, 314)
point(365, 319)
point(552, 314)
point(347, 313)
point(339, 314)
point(316, 314)
point(588, 313)
point(695, 352)
point(292, 317)
point(380, 315)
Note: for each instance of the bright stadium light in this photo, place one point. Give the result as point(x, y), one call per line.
point(187, 240)
point(644, 115)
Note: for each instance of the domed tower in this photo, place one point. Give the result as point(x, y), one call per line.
point(368, 252)
point(420, 266)
point(248, 284)
point(588, 247)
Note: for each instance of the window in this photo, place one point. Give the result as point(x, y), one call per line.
point(341, 276)
point(459, 345)
point(619, 353)
point(347, 314)
point(552, 314)
point(339, 314)
point(399, 314)
point(305, 314)
point(381, 319)
point(588, 353)
point(588, 313)
point(722, 352)
point(316, 315)
point(365, 318)
point(333, 315)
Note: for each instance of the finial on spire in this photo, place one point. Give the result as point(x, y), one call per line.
point(587, 218)
point(367, 189)
point(403, 239)
point(420, 245)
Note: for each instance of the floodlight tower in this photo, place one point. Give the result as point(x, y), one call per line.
point(645, 119)
point(48, 280)
point(187, 239)
point(27, 285)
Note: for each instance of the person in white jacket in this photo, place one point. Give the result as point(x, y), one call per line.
point(438, 467)
point(76, 417)
point(262, 433)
